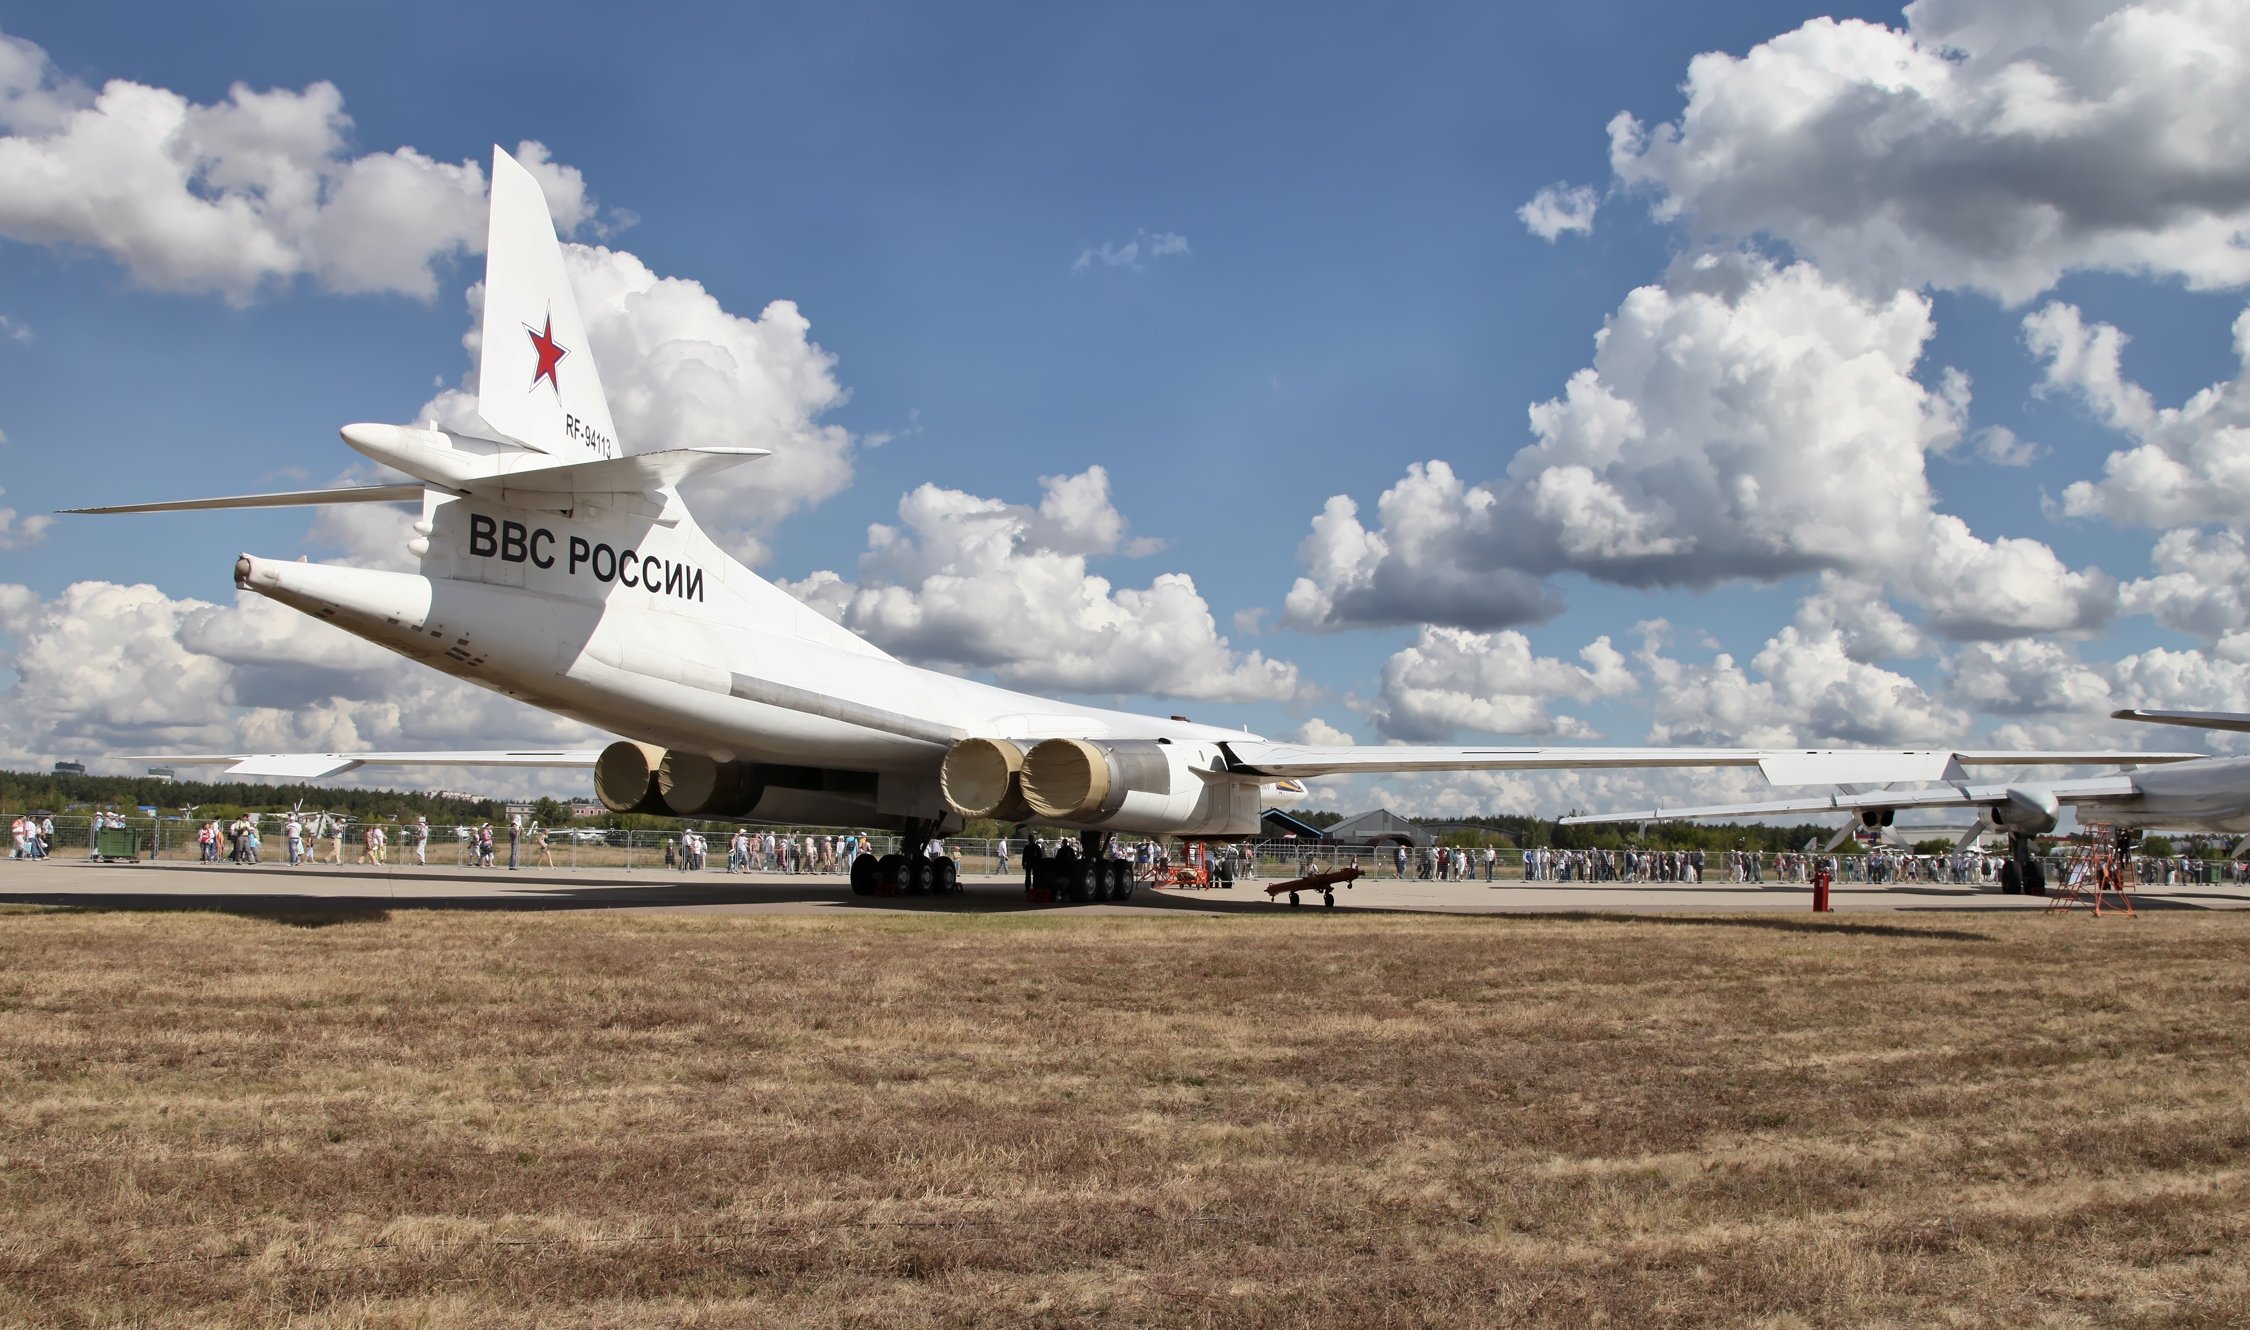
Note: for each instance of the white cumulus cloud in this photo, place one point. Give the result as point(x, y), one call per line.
point(1450, 679)
point(2187, 464)
point(1802, 688)
point(2200, 586)
point(236, 197)
point(2028, 677)
point(1559, 209)
point(1991, 145)
point(104, 670)
point(1742, 420)
point(969, 582)
point(18, 531)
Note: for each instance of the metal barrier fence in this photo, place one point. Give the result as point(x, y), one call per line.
point(339, 842)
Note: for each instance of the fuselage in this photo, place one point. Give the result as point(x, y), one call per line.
point(645, 628)
point(2212, 796)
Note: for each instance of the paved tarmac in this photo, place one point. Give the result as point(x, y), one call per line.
point(274, 887)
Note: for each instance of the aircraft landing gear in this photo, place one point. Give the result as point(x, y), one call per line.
point(1096, 877)
point(911, 872)
point(1079, 874)
point(2022, 874)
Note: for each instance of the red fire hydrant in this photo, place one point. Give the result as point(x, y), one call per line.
point(1820, 880)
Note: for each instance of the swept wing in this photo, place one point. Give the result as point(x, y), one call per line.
point(2202, 720)
point(314, 766)
point(1792, 766)
point(1943, 796)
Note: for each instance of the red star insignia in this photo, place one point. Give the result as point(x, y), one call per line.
point(550, 354)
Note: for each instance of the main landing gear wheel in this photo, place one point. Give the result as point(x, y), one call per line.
point(921, 873)
point(867, 870)
point(1121, 881)
point(1328, 898)
point(1079, 884)
point(1293, 901)
point(891, 872)
point(945, 877)
point(2010, 885)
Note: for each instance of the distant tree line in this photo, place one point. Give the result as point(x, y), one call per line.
point(24, 791)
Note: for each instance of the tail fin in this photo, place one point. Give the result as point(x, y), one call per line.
point(536, 382)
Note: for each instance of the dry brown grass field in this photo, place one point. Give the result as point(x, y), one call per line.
point(449, 1119)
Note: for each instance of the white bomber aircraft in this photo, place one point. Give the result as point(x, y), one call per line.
point(2209, 794)
point(561, 570)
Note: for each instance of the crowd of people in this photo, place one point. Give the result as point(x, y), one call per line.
point(751, 851)
point(319, 838)
point(34, 835)
point(1445, 863)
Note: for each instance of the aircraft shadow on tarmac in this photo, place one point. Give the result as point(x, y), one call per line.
point(340, 895)
point(374, 893)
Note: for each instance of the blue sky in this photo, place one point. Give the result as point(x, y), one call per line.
point(1331, 283)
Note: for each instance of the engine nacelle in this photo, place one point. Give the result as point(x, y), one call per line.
point(1140, 785)
point(643, 778)
point(625, 778)
point(982, 778)
point(697, 785)
point(2027, 810)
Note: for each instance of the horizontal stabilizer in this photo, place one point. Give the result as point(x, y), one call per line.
point(315, 766)
point(640, 473)
point(519, 478)
point(292, 499)
point(2202, 720)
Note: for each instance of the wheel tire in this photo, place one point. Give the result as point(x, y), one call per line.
point(919, 875)
point(1328, 898)
point(2036, 883)
point(1080, 882)
point(2009, 885)
point(945, 877)
point(1121, 887)
point(867, 870)
point(892, 873)
point(1293, 901)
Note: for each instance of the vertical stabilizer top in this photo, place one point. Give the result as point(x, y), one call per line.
point(536, 382)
